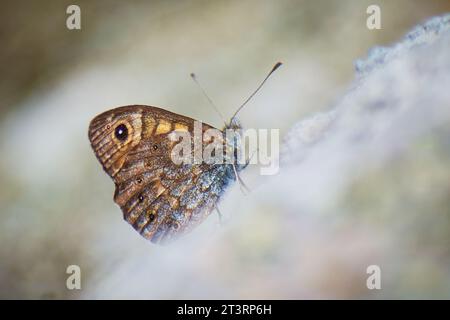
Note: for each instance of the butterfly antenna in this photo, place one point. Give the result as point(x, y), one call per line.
point(275, 67)
point(193, 76)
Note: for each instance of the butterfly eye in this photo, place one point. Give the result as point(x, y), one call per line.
point(155, 147)
point(121, 132)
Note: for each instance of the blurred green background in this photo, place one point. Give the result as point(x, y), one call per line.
point(56, 202)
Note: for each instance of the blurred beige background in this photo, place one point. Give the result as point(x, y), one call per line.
point(57, 206)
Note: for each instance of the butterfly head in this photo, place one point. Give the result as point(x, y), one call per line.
point(112, 134)
point(234, 124)
point(233, 136)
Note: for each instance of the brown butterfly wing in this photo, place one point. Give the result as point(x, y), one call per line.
point(158, 198)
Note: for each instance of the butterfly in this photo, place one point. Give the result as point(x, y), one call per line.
point(159, 198)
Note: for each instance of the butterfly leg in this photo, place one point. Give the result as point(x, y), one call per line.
point(220, 214)
point(245, 190)
point(247, 162)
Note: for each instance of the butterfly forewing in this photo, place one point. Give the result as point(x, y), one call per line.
point(159, 198)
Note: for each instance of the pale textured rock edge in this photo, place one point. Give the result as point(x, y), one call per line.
point(398, 93)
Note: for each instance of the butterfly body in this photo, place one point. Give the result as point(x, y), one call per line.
point(159, 198)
